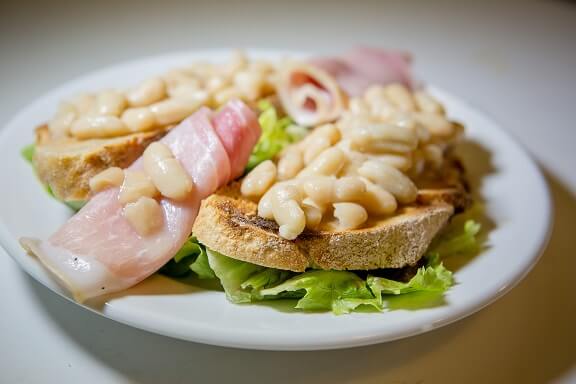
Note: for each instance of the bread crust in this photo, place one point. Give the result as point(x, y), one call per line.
point(67, 165)
point(228, 223)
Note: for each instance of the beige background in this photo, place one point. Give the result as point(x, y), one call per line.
point(514, 60)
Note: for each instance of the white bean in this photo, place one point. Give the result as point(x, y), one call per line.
point(185, 88)
point(60, 125)
point(427, 103)
point(283, 191)
point(290, 217)
point(198, 97)
point(383, 109)
point(84, 103)
point(349, 123)
point(423, 133)
point(314, 146)
point(327, 163)
point(166, 172)
point(402, 162)
point(320, 189)
point(400, 97)
point(216, 83)
point(174, 110)
point(238, 61)
point(329, 131)
point(374, 93)
point(318, 140)
point(358, 106)
point(89, 127)
point(377, 200)
point(136, 184)
point(222, 96)
point(313, 212)
point(434, 155)
point(376, 99)
point(111, 177)
point(249, 84)
point(288, 190)
point(66, 107)
point(391, 179)
point(145, 215)
point(349, 215)
point(349, 188)
point(290, 163)
point(382, 137)
point(259, 180)
point(148, 92)
point(404, 120)
point(265, 206)
point(198, 69)
point(110, 102)
point(139, 119)
point(313, 203)
point(418, 162)
point(438, 125)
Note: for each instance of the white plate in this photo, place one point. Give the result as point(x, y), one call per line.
point(517, 201)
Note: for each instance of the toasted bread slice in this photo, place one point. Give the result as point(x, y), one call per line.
point(67, 165)
point(228, 223)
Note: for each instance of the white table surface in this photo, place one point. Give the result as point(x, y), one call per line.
point(514, 60)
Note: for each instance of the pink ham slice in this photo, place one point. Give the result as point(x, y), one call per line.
point(98, 252)
point(309, 94)
point(362, 67)
point(238, 141)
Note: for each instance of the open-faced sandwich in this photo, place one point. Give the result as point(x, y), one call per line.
point(329, 181)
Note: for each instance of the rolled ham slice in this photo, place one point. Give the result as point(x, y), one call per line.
point(97, 251)
point(362, 67)
point(309, 94)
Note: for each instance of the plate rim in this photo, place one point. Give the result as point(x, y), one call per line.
point(12, 248)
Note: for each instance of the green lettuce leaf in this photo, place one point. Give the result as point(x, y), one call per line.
point(266, 278)
point(28, 152)
point(339, 291)
point(434, 277)
point(342, 291)
point(201, 266)
point(431, 278)
point(277, 133)
point(457, 239)
point(232, 273)
point(190, 258)
point(75, 205)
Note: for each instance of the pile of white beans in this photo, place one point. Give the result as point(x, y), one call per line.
point(359, 166)
point(164, 100)
point(162, 175)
